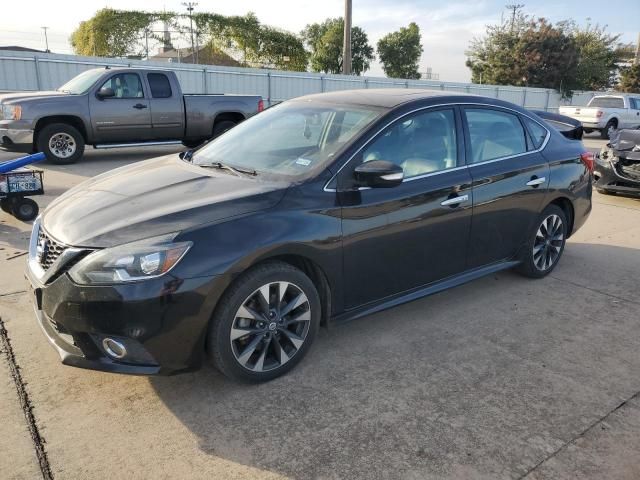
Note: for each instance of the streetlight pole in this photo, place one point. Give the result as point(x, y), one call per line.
point(46, 40)
point(346, 47)
point(190, 7)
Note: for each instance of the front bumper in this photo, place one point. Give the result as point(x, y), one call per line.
point(163, 322)
point(13, 138)
point(610, 180)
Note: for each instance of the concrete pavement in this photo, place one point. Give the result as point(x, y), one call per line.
point(505, 377)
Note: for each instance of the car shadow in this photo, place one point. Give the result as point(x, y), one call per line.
point(479, 380)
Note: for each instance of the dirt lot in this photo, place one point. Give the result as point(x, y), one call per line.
point(502, 378)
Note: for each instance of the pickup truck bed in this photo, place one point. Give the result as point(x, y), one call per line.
point(116, 107)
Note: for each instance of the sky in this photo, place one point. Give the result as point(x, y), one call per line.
point(447, 27)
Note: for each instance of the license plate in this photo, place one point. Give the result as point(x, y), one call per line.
point(23, 186)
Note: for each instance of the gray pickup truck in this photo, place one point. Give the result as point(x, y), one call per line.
point(116, 107)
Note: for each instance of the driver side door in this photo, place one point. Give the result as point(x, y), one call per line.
point(400, 238)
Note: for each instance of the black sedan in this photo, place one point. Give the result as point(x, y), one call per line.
point(322, 209)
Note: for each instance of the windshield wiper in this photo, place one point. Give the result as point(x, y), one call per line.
point(224, 166)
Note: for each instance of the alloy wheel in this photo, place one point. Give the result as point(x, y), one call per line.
point(270, 326)
point(548, 242)
point(62, 145)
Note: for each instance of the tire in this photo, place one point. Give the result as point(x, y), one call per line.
point(604, 133)
point(587, 130)
point(61, 143)
point(221, 127)
point(543, 250)
point(25, 209)
point(272, 346)
point(602, 191)
point(6, 205)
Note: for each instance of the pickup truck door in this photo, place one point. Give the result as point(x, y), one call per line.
point(126, 117)
point(634, 112)
point(167, 107)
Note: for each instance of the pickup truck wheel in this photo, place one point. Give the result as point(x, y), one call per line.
point(192, 143)
point(587, 130)
point(61, 143)
point(221, 127)
point(608, 129)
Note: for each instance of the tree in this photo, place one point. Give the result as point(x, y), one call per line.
point(400, 52)
point(112, 33)
point(325, 42)
point(630, 79)
point(523, 50)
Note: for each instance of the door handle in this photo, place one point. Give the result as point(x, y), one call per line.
point(534, 182)
point(455, 200)
point(139, 106)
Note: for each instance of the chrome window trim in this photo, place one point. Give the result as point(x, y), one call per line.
point(467, 165)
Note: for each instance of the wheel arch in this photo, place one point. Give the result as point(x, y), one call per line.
point(72, 120)
point(233, 115)
point(567, 207)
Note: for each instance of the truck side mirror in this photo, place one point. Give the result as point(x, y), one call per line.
point(105, 92)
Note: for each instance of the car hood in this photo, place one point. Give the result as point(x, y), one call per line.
point(9, 98)
point(151, 198)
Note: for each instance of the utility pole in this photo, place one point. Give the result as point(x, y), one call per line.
point(637, 59)
point(46, 40)
point(346, 47)
point(146, 41)
point(514, 7)
point(190, 7)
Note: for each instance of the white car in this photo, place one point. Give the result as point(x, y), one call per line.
point(607, 113)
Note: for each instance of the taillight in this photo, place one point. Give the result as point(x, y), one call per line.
point(260, 105)
point(599, 113)
point(588, 159)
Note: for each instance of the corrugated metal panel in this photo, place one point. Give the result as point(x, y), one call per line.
point(18, 72)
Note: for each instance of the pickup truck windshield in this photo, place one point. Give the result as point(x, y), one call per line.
point(290, 139)
point(81, 83)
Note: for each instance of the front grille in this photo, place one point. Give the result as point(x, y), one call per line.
point(630, 170)
point(48, 250)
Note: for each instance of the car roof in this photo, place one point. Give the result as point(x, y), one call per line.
point(382, 97)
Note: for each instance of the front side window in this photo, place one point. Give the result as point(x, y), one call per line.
point(422, 143)
point(291, 140)
point(125, 85)
point(634, 103)
point(494, 134)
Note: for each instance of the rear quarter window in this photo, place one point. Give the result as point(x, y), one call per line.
point(537, 132)
point(607, 102)
point(159, 85)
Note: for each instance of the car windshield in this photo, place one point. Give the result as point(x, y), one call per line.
point(292, 139)
point(81, 83)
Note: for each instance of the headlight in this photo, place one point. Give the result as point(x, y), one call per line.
point(11, 112)
point(130, 262)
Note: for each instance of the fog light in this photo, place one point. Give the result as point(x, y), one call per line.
point(114, 348)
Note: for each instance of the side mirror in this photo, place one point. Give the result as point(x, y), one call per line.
point(379, 173)
point(105, 93)
point(186, 155)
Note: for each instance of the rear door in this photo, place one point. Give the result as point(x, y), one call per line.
point(167, 109)
point(126, 116)
point(510, 180)
point(396, 239)
point(634, 112)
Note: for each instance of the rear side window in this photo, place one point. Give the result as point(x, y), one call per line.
point(607, 102)
point(159, 84)
point(494, 134)
point(536, 131)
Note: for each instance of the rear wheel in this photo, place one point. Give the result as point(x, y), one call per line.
point(587, 130)
point(25, 209)
point(546, 243)
point(265, 323)
point(61, 143)
point(607, 131)
point(221, 127)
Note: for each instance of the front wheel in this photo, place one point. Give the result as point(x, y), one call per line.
point(61, 143)
point(265, 323)
point(546, 243)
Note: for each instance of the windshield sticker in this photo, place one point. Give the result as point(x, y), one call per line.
point(303, 161)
